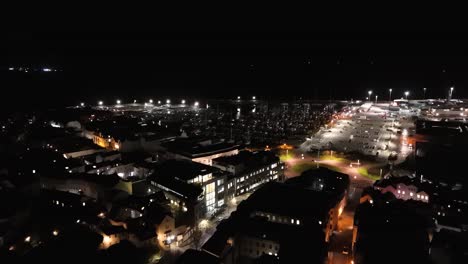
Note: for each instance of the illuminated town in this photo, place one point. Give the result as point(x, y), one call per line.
point(244, 178)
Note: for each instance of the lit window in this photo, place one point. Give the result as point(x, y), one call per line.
point(399, 191)
point(419, 196)
point(411, 194)
point(403, 192)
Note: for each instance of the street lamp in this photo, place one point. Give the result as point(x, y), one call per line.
point(406, 95)
point(118, 102)
point(168, 101)
point(183, 101)
point(159, 102)
point(424, 90)
point(376, 96)
point(100, 103)
point(81, 104)
point(254, 98)
point(370, 93)
point(196, 104)
point(390, 94)
point(150, 101)
point(238, 97)
point(451, 91)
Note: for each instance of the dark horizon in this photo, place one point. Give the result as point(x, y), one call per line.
point(210, 65)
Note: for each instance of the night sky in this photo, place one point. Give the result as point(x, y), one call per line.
point(312, 65)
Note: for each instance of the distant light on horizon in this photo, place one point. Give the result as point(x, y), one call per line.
point(46, 70)
point(238, 97)
point(254, 97)
point(82, 104)
point(183, 101)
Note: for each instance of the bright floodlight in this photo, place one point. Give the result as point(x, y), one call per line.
point(150, 101)
point(369, 92)
point(168, 101)
point(254, 98)
point(118, 102)
point(451, 88)
point(100, 103)
point(196, 104)
point(183, 101)
point(406, 93)
point(390, 90)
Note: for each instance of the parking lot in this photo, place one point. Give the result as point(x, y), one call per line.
point(369, 130)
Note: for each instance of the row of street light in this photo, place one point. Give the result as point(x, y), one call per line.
point(150, 101)
point(406, 93)
point(253, 98)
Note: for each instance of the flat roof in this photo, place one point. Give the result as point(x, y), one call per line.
point(198, 148)
point(183, 170)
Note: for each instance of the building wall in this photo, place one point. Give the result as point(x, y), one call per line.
point(406, 192)
point(81, 153)
point(252, 180)
point(75, 186)
point(253, 247)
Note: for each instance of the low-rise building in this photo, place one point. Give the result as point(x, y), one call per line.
point(191, 186)
point(249, 171)
point(405, 188)
point(276, 220)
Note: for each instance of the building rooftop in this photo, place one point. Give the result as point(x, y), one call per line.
point(180, 188)
point(399, 226)
point(73, 144)
point(192, 256)
point(196, 147)
point(102, 179)
point(282, 199)
point(322, 179)
point(248, 160)
point(406, 180)
point(183, 170)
